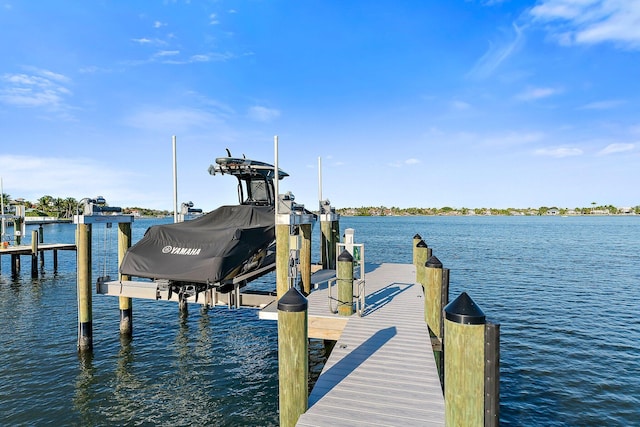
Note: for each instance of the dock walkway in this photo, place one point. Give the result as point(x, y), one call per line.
point(381, 371)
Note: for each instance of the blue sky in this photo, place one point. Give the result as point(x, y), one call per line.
point(408, 103)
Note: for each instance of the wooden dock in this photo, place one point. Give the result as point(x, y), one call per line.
point(381, 371)
point(17, 250)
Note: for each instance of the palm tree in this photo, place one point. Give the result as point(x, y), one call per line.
point(45, 203)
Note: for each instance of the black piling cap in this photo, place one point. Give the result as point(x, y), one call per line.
point(292, 301)
point(417, 236)
point(464, 310)
point(421, 244)
point(345, 256)
point(433, 262)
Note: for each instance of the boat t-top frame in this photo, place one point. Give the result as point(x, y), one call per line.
point(255, 179)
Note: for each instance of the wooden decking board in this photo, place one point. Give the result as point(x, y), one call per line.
point(353, 413)
point(381, 370)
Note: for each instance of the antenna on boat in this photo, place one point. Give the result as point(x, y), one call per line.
point(275, 166)
point(320, 181)
point(175, 181)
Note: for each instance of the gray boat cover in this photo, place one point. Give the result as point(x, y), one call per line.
point(208, 249)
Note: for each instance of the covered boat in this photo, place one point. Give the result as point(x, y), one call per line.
point(217, 249)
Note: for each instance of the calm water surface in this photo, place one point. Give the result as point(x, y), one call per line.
point(565, 291)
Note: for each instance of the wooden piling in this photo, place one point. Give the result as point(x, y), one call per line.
point(464, 330)
point(17, 229)
point(34, 253)
point(85, 315)
point(282, 256)
point(293, 356)
point(330, 236)
point(305, 258)
point(433, 296)
point(125, 303)
point(416, 239)
point(345, 284)
point(420, 255)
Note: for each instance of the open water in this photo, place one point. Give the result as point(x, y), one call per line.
point(564, 290)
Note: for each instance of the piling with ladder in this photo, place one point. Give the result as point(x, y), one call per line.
point(85, 315)
point(125, 303)
point(345, 283)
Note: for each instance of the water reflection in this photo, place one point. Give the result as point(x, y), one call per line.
point(84, 388)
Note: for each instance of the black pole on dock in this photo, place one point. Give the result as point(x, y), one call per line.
point(85, 315)
point(345, 283)
point(125, 303)
point(293, 356)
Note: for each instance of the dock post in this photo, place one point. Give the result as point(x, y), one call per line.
point(55, 260)
point(17, 227)
point(85, 315)
point(464, 389)
point(282, 255)
point(345, 284)
point(330, 237)
point(305, 258)
point(15, 264)
point(433, 295)
point(293, 357)
point(34, 253)
point(420, 256)
point(125, 303)
point(416, 239)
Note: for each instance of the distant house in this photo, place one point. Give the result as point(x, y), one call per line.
point(553, 211)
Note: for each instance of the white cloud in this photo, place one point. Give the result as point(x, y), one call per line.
point(142, 40)
point(412, 161)
point(172, 120)
point(497, 54)
point(509, 139)
point(602, 105)
point(167, 53)
point(61, 177)
point(263, 114)
point(616, 148)
point(591, 21)
point(43, 89)
point(533, 93)
point(213, 20)
point(460, 105)
point(559, 152)
point(158, 24)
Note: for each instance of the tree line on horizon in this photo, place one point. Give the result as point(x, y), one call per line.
point(64, 208)
point(69, 206)
point(594, 209)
